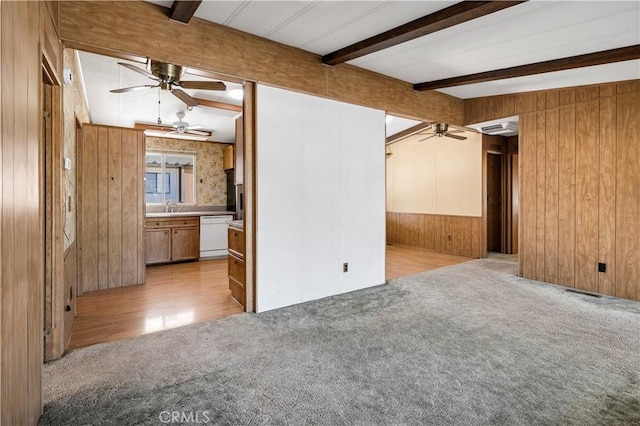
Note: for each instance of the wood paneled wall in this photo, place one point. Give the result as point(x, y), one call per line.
point(21, 214)
point(109, 27)
point(460, 235)
point(111, 204)
point(579, 184)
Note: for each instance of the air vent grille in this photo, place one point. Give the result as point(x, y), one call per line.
point(500, 129)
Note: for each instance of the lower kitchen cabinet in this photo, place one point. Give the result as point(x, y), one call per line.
point(185, 243)
point(237, 271)
point(158, 245)
point(172, 239)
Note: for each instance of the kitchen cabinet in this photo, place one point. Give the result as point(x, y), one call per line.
point(158, 245)
point(228, 158)
point(185, 243)
point(172, 239)
point(237, 271)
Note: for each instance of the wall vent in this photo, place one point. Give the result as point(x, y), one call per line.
point(500, 129)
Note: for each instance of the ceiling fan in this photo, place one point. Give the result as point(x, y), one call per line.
point(179, 127)
point(441, 130)
point(168, 77)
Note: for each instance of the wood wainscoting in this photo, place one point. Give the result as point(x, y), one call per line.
point(579, 183)
point(459, 235)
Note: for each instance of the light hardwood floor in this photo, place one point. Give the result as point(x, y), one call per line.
point(172, 296)
point(404, 260)
point(186, 293)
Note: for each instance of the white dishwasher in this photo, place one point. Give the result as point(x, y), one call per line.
point(213, 236)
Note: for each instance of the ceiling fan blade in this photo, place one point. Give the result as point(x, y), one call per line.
point(139, 70)
point(133, 89)
point(184, 97)
point(460, 138)
point(195, 127)
point(429, 137)
point(455, 131)
point(198, 132)
point(203, 85)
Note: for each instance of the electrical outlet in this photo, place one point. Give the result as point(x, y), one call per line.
point(602, 267)
point(345, 267)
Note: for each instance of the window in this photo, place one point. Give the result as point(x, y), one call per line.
point(170, 178)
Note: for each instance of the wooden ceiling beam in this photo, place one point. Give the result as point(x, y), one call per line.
point(219, 105)
point(183, 11)
point(407, 132)
point(445, 18)
point(590, 59)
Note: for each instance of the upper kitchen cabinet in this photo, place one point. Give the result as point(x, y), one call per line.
point(228, 157)
point(111, 207)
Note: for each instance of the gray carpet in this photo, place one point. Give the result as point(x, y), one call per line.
point(465, 345)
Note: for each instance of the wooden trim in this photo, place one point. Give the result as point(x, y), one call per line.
point(54, 270)
point(483, 230)
point(407, 132)
point(219, 105)
point(590, 59)
point(250, 189)
point(183, 11)
point(445, 18)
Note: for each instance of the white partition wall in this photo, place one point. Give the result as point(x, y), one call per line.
point(320, 198)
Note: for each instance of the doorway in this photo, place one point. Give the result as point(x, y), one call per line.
point(495, 183)
point(502, 189)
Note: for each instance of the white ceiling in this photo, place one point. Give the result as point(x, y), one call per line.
point(530, 32)
point(102, 74)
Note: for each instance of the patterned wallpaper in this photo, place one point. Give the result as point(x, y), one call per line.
point(211, 180)
point(73, 106)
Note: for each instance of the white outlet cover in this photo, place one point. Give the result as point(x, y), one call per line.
point(67, 163)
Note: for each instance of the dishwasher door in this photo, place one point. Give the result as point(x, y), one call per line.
point(213, 236)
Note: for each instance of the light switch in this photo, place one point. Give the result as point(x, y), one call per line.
point(67, 163)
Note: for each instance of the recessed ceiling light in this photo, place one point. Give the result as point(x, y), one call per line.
point(388, 119)
point(236, 94)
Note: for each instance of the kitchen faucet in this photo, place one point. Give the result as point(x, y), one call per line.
point(168, 207)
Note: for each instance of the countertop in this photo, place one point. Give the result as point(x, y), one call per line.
point(187, 214)
point(237, 224)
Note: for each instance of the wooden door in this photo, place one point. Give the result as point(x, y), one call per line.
point(494, 202)
point(185, 243)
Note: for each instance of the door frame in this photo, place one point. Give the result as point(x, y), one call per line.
point(51, 183)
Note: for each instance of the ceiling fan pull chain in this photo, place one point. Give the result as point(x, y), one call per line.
point(159, 120)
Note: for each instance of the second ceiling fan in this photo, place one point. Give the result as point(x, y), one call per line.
point(441, 130)
point(169, 77)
